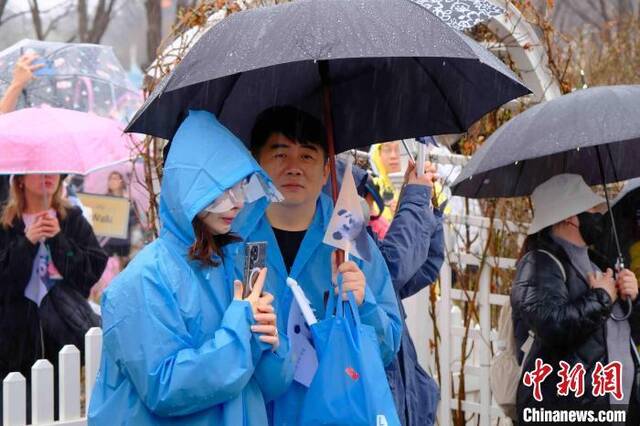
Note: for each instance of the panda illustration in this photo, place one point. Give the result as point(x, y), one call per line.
point(350, 228)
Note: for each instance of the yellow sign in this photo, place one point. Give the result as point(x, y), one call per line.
point(110, 215)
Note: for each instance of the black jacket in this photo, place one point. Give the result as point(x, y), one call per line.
point(569, 323)
point(79, 259)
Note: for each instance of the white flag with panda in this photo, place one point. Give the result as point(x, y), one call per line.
point(347, 227)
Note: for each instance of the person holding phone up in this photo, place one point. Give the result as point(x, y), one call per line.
point(181, 344)
point(23, 72)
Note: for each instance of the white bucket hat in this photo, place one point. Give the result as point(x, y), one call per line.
point(559, 198)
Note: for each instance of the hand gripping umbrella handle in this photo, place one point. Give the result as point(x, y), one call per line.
point(620, 267)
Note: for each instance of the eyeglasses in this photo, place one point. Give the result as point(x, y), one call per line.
point(229, 199)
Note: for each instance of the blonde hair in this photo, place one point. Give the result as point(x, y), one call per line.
point(16, 203)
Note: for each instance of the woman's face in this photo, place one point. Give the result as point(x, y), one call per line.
point(220, 223)
point(390, 156)
point(115, 182)
point(41, 185)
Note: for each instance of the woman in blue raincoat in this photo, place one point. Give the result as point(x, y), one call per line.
point(180, 344)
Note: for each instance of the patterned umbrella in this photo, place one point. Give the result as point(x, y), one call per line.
point(462, 14)
point(83, 77)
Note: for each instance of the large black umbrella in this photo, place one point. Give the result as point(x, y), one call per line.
point(593, 132)
point(569, 134)
point(381, 69)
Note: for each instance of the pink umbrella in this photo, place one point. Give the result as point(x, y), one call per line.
point(54, 140)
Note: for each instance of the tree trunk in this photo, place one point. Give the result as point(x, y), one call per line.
point(36, 18)
point(3, 4)
point(101, 20)
point(83, 20)
point(154, 29)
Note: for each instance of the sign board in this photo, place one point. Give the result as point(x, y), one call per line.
point(110, 215)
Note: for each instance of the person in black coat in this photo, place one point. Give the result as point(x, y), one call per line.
point(563, 299)
point(49, 259)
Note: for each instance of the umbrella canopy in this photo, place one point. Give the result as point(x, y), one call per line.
point(458, 14)
point(83, 77)
point(53, 140)
point(395, 71)
point(570, 134)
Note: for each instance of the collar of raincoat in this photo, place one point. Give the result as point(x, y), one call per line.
point(205, 159)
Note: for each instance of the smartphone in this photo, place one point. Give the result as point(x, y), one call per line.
point(255, 257)
point(47, 70)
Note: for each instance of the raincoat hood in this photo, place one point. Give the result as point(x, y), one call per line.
point(205, 159)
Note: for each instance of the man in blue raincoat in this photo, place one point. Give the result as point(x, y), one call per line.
point(178, 347)
point(289, 145)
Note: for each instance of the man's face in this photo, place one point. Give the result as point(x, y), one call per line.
point(298, 171)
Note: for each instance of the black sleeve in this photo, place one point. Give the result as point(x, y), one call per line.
point(76, 253)
point(542, 298)
point(16, 262)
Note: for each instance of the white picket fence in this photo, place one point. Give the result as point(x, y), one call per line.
point(478, 405)
point(14, 396)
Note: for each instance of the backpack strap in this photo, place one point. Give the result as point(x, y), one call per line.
point(560, 265)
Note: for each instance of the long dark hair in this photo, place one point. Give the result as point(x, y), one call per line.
point(541, 240)
point(207, 244)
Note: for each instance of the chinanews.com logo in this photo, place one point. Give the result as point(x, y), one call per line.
point(540, 415)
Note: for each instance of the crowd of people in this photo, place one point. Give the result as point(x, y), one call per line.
point(186, 343)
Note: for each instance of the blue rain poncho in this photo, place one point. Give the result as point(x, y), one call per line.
point(178, 350)
point(312, 270)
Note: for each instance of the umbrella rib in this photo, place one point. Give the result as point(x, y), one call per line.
point(455, 116)
point(226, 96)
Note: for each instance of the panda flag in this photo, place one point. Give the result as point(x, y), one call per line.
point(347, 227)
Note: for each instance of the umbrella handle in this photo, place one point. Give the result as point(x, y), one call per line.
point(626, 315)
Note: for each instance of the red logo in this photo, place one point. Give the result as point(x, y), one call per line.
point(571, 379)
point(607, 379)
point(352, 373)
point(536, 377)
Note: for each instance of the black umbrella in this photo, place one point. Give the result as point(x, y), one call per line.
point(593, 132)
point(375, 70)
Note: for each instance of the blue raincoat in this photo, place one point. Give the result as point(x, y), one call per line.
point(414, 251)
point(178, 350)
point(312, 270)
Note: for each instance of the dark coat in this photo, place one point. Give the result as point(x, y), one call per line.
point(79, 259)
point(413, 249)
point(569, 323)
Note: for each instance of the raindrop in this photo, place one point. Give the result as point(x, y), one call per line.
point(516, 163)
point(486, 181)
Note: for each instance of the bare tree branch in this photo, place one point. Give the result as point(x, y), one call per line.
point(154, 28)
point(101, 19)
point(3, 4)
point(13, 16)
point(584, 16)
point(36, 18)
point(83, 20)
point(53, 23)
